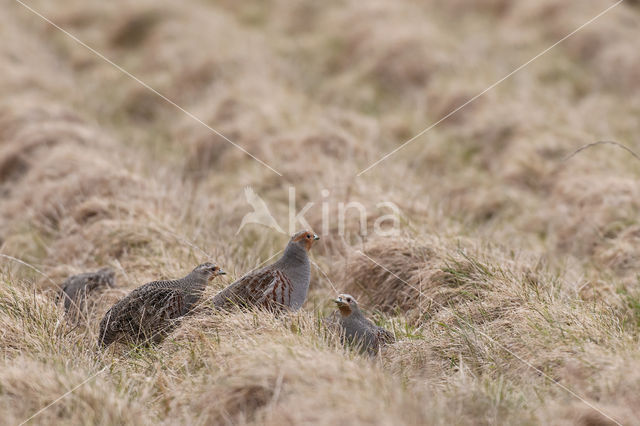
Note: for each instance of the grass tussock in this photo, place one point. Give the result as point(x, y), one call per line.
point(512, 270)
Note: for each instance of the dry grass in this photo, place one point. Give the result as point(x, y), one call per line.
point(511, 268)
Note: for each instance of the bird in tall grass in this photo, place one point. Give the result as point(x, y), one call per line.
point(76, 290)
point(356, 330)
point(149, 313)
point(283, 284)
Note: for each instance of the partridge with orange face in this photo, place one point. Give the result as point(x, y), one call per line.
point(357, 330)
point(283, 284)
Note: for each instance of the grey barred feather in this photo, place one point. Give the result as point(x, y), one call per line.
point(268, 288)
point(152, 311)
point(384, 336)
point(282, 285)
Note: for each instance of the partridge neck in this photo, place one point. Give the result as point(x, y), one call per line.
point(295, 265)
point(195, 281)
point(345, 310)
point(294, 255)
point(193, 289)
point(355, 313)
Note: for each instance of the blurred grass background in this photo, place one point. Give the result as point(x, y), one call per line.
point(502, 244)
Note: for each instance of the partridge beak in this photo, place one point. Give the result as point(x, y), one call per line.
point(315, 237)
point(221, 272)
point(339, 301)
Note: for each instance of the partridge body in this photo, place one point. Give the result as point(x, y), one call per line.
point(283, 284)
point(76, 290)
point(148, 313)
point(356, 329)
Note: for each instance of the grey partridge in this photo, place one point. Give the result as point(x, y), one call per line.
point(149, 313)
point(76, 290)
point(281, 285)
point(356, 329)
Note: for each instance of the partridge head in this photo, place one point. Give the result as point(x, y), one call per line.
point(357, 329)
point(304, 239)
point(207, 270)
point(347, 305)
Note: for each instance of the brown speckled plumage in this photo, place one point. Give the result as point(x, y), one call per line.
point(284, 284)
point(150, 312)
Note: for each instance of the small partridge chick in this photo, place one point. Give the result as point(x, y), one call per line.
point(357, 330)
point(149, 313)
point(76, 290)
point(283, 284)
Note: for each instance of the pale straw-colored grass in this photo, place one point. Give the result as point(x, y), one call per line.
point(512, 268)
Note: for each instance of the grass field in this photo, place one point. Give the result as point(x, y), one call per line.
point(512, 283)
